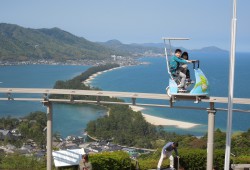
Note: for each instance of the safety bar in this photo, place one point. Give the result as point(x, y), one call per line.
point(196, 61)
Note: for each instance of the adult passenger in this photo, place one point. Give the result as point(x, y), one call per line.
point(178, 66)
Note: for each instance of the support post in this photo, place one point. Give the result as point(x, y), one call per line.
point(210, 136)
point(171, 101)
point(231, 88)
point(71, 98)
point(133, 101)
point(98, 99)
point(49, 134)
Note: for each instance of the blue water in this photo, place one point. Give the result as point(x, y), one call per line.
point(68, 119)
point(153, 78)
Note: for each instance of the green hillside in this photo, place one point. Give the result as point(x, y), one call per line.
point(21, 44)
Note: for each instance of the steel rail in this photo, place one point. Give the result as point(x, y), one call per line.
point(70, 101)
point(155, 96)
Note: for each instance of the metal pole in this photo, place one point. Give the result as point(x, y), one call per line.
point(230, 90)
point(210, 136)
point(49, 135)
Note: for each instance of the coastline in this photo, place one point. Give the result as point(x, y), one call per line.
point(154, 120)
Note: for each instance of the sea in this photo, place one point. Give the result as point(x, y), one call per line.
point(68, 119)
point(147, 78)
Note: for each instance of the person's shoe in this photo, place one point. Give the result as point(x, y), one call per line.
point(180, 86)
point(189, 81)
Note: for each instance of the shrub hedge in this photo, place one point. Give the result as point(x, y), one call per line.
point(241, 160)
point(150, 161)
point(197, 158)
point(21, 162)
point(189, 159)
point(111, 161)
point(119, 160)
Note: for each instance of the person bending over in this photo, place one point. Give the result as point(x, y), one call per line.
point(167, 152)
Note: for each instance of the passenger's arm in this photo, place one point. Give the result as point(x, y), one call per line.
point(181, 60)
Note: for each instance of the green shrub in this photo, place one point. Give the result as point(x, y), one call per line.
point(150, 161)
point(219, 158)
point(193, 158)
point(242, 160)
point(197, 158)
point(21, 162)
point(111, 161)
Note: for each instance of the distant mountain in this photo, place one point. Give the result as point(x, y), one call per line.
point(113, 43)
point(20, 44)
point(131, 48)
point(211, 49)
point(205, 49)
point(156, 45)
point(157, 48)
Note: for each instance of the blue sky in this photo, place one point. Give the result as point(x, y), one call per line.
point(207, 22)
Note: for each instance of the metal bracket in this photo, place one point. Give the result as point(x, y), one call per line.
point(211, 109)
point(171, 102)
point(71, 98)
point(45, 97)
point(133, 101)
point(47, 103)
point(197, 99)
point(98, 99)
point(10, 96)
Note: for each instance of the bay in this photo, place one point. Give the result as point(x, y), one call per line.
point(153, 78)
point(68, 119)
point(150, 78)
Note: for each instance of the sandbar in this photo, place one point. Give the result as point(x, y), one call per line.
point(164, 121)
point(149, 118)
point(88, 81)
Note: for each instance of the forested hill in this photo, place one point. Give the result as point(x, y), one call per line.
point(20, 44)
